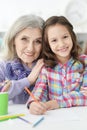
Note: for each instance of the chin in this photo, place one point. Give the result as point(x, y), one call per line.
point(27, 62)
point(64, 56)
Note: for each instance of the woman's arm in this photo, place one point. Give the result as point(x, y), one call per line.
point(15, 87)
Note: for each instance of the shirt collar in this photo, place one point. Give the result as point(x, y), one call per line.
point(69, 63)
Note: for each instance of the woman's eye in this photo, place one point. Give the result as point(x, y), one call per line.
point(38, 41)
point(24, 39)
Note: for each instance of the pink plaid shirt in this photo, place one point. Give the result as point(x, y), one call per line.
point(62, 83)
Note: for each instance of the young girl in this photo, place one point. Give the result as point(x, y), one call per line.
point(65, 70)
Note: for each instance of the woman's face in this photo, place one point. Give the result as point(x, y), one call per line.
point(60, 42)
point(28, 45)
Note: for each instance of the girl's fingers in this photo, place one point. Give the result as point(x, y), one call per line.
point(44, 106)
point(37, 108)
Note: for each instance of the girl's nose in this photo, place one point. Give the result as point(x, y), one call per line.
point(61, 43)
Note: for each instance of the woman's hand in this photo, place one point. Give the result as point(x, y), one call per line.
point(35, 71)
point(6, 85)
point(38, 108)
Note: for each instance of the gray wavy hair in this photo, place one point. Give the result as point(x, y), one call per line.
point(20, 24)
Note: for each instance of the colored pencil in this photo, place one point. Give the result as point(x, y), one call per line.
point(30, 93)
point(38, 121)
point(24, 120)
point(7, 117)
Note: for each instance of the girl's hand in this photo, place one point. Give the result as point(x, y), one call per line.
point(35, 71)
point(52, 104)
point(38, 108)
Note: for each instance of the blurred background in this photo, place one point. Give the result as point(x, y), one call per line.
point(74, 10)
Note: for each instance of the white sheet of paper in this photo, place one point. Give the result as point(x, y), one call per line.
point(61, 115)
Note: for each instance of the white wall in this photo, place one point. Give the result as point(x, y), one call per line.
point(12, 9)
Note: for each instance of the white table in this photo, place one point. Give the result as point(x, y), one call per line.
point(63, 119)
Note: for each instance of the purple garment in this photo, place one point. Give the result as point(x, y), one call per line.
point(17, 73)
point(15, 70)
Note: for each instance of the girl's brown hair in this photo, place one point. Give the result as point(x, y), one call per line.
point(48, 56)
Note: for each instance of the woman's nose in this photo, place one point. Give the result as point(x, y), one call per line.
point(30, 46)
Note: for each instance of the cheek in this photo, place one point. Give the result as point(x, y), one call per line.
point(53, 47)
point(38, 49)
point(19, 49)
point(71, 44)
point(18, 43)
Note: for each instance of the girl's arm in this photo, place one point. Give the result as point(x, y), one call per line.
point(76, 98)
point(68, 99)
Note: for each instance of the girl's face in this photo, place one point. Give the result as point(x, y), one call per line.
point(28, 44)
point(60, 42)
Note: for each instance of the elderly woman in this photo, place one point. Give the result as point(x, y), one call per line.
point(21, 56)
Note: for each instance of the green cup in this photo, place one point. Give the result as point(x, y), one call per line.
point(3, 103)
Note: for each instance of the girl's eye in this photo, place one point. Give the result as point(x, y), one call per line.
point(54, 40)
point(65, 36)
